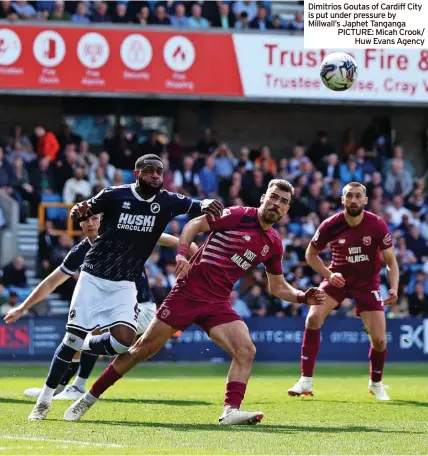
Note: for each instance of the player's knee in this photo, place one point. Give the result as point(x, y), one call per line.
point(140, 351)
point(379, 343)
point(246, 353)
point(313, 321)
point(72, 341)
point(119, 346)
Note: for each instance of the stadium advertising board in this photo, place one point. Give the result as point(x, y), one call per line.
point(241, 65)
point(276, 339)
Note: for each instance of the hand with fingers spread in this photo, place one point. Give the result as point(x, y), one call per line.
point(212, 207)
point(312, 297)
point(392, 299)
point(337, 280)
point(81, 211)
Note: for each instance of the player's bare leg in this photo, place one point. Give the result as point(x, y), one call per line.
point(235, 338)
point(311, 346)
point(145, 347)
point(375, 323)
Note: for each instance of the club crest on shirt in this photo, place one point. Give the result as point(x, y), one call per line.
point(246, 238)
point(165, 313)
point(265, 250)
point(179, 195)
point(155, 208)
point(367, 240)
point(341, 241)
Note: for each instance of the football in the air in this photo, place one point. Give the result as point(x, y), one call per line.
point(339, 71)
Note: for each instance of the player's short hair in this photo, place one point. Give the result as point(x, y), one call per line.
point(283, 185)
point(141, 161)
point(352, 185)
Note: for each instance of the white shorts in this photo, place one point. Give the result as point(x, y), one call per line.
point(100, 303)
point(146, 313)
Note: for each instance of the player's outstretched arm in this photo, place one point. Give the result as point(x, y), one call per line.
point(168, 240)
point(43, 289)
point(283, 290)
point(316, 263)
point(393, 274)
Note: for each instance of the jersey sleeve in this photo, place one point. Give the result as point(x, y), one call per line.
point(384, 239)
point(321, 237)
point(273, 264)
point(74, 260)
point(181, 204)
point(230, 218)
point(100, 202)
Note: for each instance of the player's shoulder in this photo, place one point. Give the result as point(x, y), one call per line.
point(373, 219)
point(334, 220)
point(170, 195)
point(83, 246)
point(116, 190)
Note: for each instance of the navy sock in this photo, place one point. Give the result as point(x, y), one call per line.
point(70, 373)
point(101, 345)
point(60, 364)
point(87, 363)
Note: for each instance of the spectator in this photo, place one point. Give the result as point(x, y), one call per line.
point(7, 12)
point(175, 151)
point(118, 178)
point(161, 18)
point(350, 171)
point(224, 17)
point(321, 148)
point(405, 257)
point(265, 162)
point(416, 202)
point(65, 169)
point(208, 179)
point(152, 145)
point(254, 192)
point(330, 168)
point(297, 159)
point(256, 301)
point(418, 302)
point(398, 181)
point(121, 16)
point(3, 295)
point(366, 165)
point(242, 22)
point(101, 13)
point(424, 227)
point(15, 273)
point(277, 23)
point(47, 241)
point(143, 16)
point(24, 10)
point(239, 306)
point(225, 163)
point(417, 244)
point(81, 16)
point(314, 197)
point(11, 302)
point(19, 145)
point(21, 185)
point(107, 169)
point(180, 19)
point(47, 144)
point(244, 159)
point(399, 154)
point(76, 188)
point(6, 174)
point(376, 182)
point(299, 208)
point(298, 22)
point(98, 180)
point(59, 13)
point(196, 20)
point(186, 181)
point(261, 22)
point(207, 144)
point(290, 260)
point(247, 7)
point(66, 137)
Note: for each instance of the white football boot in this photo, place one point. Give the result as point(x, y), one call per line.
point(35, 392)
point(71, 393)
point(40, 411)
point(377, 389)
point(235, 416)
point(80, 407)
point(302, 388)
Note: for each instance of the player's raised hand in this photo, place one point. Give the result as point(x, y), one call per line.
point(315, 297)
point(182, 267)
point(337, 280)
point(13, 315)
point(212, 207)
point(392, 299)
point(80, 210)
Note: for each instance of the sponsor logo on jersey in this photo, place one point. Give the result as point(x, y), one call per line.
point(155, 208)
point(179, 195)
point(165, 313)
point(367, 240)
point(387, 239)
point(355, 255)
point(243, 263)
point(342, 241)
point(141, 223)
point(72, 314)
point(316, 236)
point(246, 238)
point(126, 205)
point(265, 250)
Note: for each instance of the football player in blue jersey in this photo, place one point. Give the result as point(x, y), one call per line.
point(83, 364)
point(133, 218)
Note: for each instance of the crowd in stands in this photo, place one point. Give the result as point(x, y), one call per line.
point(190, 14)
point(36, 167)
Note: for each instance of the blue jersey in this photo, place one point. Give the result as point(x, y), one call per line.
point(130, 228)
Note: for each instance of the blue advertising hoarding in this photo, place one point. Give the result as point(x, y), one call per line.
point(276, 339)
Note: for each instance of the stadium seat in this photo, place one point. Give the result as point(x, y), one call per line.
point(54, 213)
point(128, 176)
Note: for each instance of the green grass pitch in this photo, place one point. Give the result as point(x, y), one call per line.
point(174, 408)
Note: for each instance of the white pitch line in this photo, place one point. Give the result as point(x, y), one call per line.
point(75, 442)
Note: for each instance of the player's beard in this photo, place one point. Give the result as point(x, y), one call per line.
point(271, 216)
point(149, 189)
point(354, 211)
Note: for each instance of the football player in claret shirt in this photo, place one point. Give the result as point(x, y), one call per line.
point(240, 239)
point(133, 219)
point(358, 239)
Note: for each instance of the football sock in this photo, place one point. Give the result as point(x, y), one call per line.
point(71, 372)
point(377, 363)
point(235, 392)
point(87, 363)
point(108, 378)
point(310, 348)
point(106, 344)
